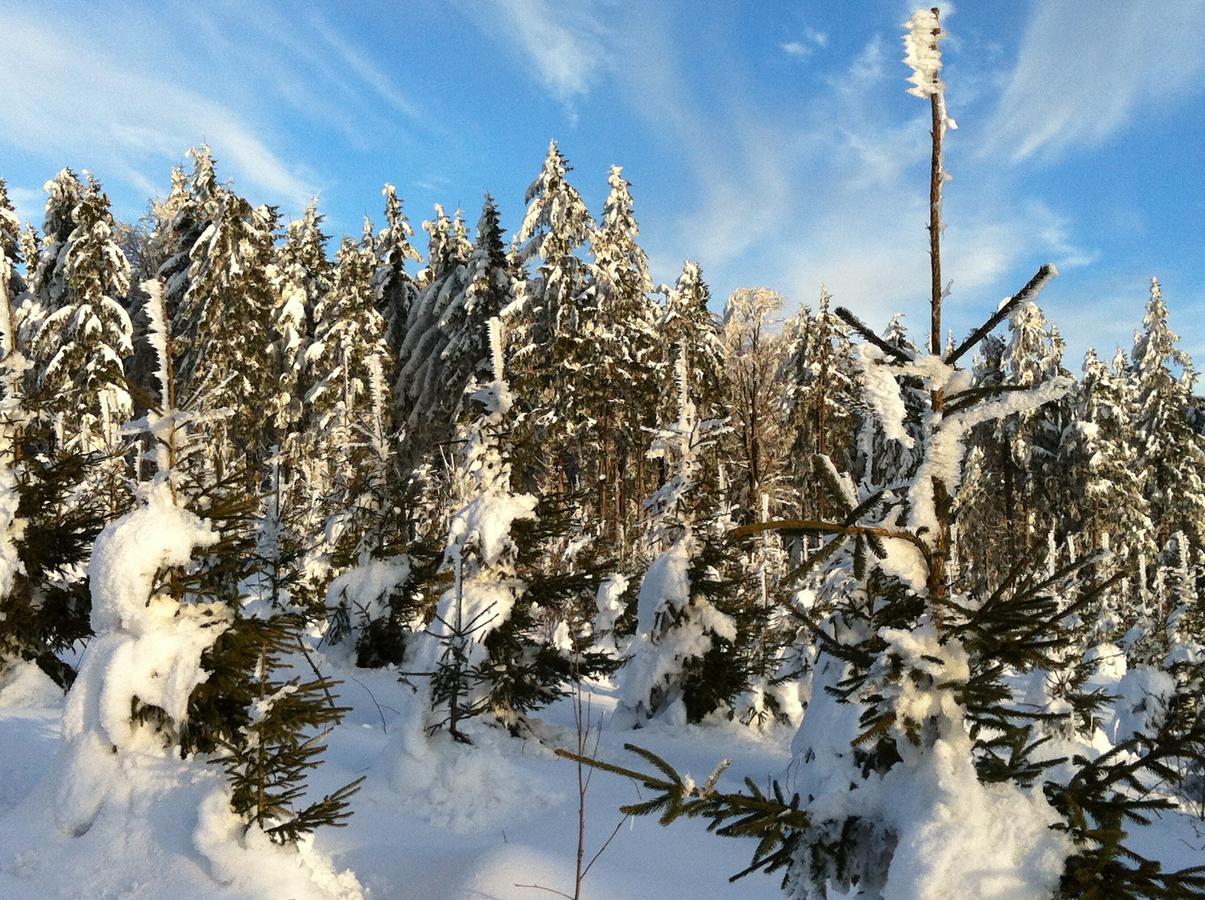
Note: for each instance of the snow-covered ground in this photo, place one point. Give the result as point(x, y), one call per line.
point(433, 820)
point(458, 822)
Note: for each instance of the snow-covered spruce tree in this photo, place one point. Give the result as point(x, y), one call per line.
point(47, 519)
point(1172, 453)
point(821, 398)
point(1110, 509)
point(268, 759)
point(302, 276)
point(684, 662)
point(486, 293)
point(424, 396)
point(394, 290)
point(622, 389)
point(687, 321)
point(364, 570)
point(347, 402)
point(148, 245)
point(1033, 488)
point(174, 667)
point(193, 204)
point(485, 651)
point(917, 759)
point(48, 268)
point(983, 533)
point(445, 348)
point(552, 348)
point(1019, 492)
point(220, 297)
point(766, 632)
point(12, 419)
point(1114, 513)
point(11, 281)
point(153, 245)
point(883, 456)
point(480, 555)
point(81, 346)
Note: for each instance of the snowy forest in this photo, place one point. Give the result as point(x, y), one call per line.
point(482, 565)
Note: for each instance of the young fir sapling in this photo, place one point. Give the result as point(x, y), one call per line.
point(175, 667)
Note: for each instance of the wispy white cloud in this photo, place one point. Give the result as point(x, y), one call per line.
point(66, 98)
point(126, 94)
point(564, 42)
point(361, 65)
point(1085, 71)
point(811, 41)
point(838, 194)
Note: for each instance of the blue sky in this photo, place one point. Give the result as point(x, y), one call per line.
point(771, 141)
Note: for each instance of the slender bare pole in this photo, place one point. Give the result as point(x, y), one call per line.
point(937, 105)
point(941, 498)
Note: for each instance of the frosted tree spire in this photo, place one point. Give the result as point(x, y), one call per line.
point(922, 52)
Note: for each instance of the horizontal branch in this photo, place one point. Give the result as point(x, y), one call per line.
point(814, 525)
point(785, 814)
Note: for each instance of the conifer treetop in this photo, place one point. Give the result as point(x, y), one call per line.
point(557, 221)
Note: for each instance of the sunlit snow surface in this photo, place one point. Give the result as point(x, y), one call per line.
point(444, 822)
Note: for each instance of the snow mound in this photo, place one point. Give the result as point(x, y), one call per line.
point(252, 863)
point(509, 873)
point(937, 831)
point(659, 653)
point(466, 789)
point(146, 653)
point(486, 521)
point(960, 838)
point(1143, 696)
point(23, 685)
point(170, 823)
point(366, 587)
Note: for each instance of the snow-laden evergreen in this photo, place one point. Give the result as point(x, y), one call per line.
point(686, 320)
point(622, 375)
point(48, 267)
point(12, 416)
point(394, 290)
point(1173, 458)
point(82, 342)
point(480, 556)
point(678, 626)
point(426, 386)
point(556, 320)
point(220, 298)
point(302, 277)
